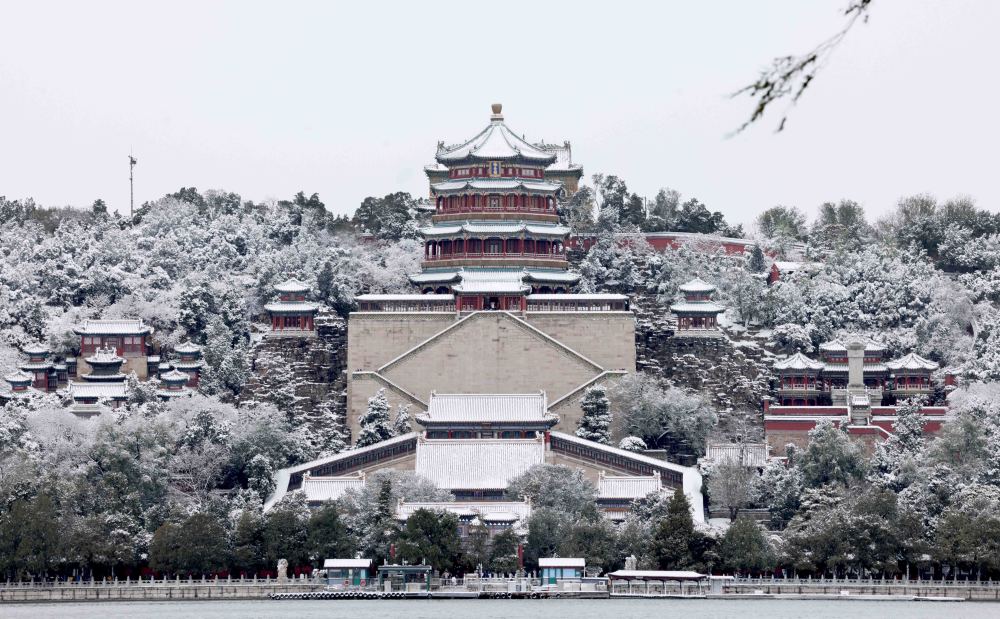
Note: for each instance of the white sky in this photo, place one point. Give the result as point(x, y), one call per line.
point(349, 99)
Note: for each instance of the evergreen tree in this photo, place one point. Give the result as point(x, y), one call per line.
point(503, 552)
point(674, 535)
point(325, 281)
point(286, 532)
point(379, 527)
point(831, 457)
point(595, 425)
point(402, 425)
point(744, 548)
point(328, 535)
point(248, 541)
point(375, 426)
point(431, 537)
point(756, 262)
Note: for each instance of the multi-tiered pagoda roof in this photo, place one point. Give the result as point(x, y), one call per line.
point(495, 228)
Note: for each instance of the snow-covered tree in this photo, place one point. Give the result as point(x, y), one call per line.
point(402, 423)
point(375, 423)
point(595, 425)
point(632, 443)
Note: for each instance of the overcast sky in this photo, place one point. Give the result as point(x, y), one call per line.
point(349, 99)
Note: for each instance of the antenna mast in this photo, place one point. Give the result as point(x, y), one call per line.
point(131, 188)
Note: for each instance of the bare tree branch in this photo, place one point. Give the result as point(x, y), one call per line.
point(788, 77)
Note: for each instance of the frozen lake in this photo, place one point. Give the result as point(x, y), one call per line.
point(503, 609)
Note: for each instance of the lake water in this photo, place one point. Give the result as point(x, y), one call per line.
point(504, 609)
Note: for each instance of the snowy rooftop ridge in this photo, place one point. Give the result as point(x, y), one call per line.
point(486, 408)
point(483, 227)
point(798, 361)
point(321, 489)
point(840, 345)
point(635, 487)
point(114, 390)
point(187, 348)
point(495, 184)
point(104, 356)
point(912, 361)
point(17, 377)
point(36, 349)
point(697, 285)
point(113, 327)
point(174, 376)
point(292, 285)
point(494, 142)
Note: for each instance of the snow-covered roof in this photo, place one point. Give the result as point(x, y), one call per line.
point(28, 366)
point(696, 307)
point(173, 393)
point(564, 157)
point(486, 408)
point(487, 464)
point(435, 277)
point(494, 142)
point(495, 184)
point(113, 327)
point(292, 285)
point(429, 298)
point(104, 356)
point(912, 361)
point(656, 575)
point(489, 511)
point(280, 307)
point(492, 281)
point(346, 563)
point(838, 345)
point(844, 367)
point(540, 275)
point(115, 390)
point(320, 489)
point(697, 285)
point(283, 476)
point(18, 377)
point(173, 376)
point(36, 349)
point(187, 348)
point(616, 487)
point(562, 562)
point(786, 266)
point(798, 361)
point(573, 296)
point(655, 462)
point(186, 365)
point(748, 454)
point(477, 227)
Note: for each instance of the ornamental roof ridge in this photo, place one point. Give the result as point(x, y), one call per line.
point(912, 361)
point(696, 285)
point(799, 361)
point(292, 285)
point(18, 376)
point(494, 142)
point(104, 355)
point(173, 375)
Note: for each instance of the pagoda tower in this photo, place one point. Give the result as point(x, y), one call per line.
point(495, 235)
point(173, 384)
point(189, 361)
point(697, 314)
point(105, 367)
point(292, 312)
